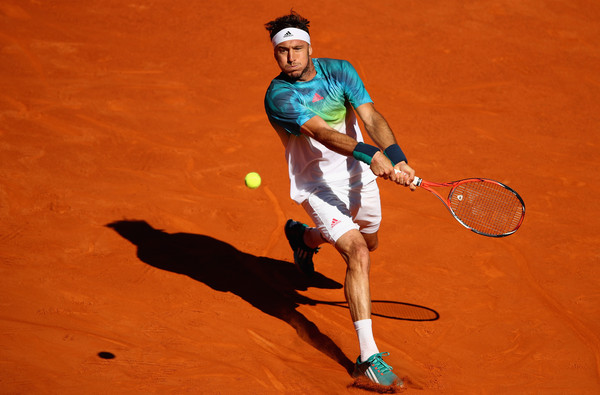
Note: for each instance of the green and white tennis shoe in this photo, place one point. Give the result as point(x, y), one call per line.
point(376, 370)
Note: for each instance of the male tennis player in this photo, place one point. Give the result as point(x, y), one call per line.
point(333, 173)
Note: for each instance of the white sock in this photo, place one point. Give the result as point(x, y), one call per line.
point(366, 342)
point(312, 237)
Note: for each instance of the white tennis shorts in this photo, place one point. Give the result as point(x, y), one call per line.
point(337, 209)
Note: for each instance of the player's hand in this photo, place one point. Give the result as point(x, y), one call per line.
point(382, 167)
point(404, 175)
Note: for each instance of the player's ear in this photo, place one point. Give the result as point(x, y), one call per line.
point(309, 50)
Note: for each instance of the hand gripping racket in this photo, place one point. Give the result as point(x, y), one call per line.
point(486, 207)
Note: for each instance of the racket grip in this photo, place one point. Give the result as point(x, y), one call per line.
point(416, 181)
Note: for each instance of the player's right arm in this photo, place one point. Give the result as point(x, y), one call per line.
point(318, 129)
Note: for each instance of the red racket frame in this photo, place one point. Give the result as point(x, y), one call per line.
point(430, 186)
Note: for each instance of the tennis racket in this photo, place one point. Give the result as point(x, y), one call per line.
point(486, 207)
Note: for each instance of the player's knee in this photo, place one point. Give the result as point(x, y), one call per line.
point(363, 254)
point(359, 257)
point(355, 250)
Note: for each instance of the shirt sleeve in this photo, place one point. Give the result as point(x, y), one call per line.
point(285, 108)
point(354, 88)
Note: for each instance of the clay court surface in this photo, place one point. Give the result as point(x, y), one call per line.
point(134, 260)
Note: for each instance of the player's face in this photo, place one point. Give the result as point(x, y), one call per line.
point(293, 58)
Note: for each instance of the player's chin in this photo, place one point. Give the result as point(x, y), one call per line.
point(294, 74)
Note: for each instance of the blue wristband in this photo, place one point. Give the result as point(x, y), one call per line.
point(364, 152)
point(395, 154)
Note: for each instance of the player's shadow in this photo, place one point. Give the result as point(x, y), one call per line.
point(269, 285)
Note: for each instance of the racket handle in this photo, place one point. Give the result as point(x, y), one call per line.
point(416, 181)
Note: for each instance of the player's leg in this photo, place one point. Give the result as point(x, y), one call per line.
point(366, 209)
point(353, 248)
point(349, 219)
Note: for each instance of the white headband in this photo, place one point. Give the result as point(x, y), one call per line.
point(288, 34)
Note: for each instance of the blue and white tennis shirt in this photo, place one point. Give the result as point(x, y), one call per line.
point(331, 94)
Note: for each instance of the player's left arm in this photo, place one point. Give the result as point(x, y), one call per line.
point(376, 125)
point(381, 133)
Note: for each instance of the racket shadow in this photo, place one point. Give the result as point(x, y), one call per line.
point(269, 285)
point(394, 310)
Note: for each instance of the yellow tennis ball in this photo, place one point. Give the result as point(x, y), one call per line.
point(253, 180)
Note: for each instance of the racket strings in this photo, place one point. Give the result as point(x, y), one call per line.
point(486, 207)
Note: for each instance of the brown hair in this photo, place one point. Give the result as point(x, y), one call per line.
point(291, 20)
